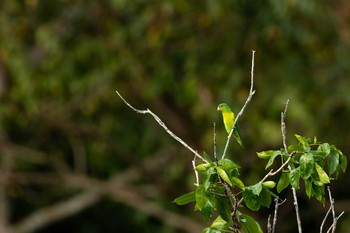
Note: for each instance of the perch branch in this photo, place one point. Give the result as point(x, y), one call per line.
point(161, 123)
point(251, 93)
point(283, 130)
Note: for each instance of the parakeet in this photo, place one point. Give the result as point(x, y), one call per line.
point(229, 119)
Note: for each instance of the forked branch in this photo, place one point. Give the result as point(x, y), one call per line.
point(161, 123)
point(251, 93)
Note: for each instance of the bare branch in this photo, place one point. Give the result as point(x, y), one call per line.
point(214, 139)
point(269, 227)
point(283, 131)
point(325, 218)
point(251, 93)
point(283, 126)
point(161, 123)
point(331, 208)
point(277, 204)
point(295, 202)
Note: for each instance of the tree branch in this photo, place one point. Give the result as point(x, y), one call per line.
point(295, 199)
point(251, 93)
point(274, 222)
point(161, 123)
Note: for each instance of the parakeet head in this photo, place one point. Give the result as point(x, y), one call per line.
point(223, 107)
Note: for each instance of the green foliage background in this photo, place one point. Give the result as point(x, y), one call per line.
point(62, 60)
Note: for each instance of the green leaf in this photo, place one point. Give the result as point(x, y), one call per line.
point(304, 142)
point(218, 226)
point(308, 188)
point(322, 174)
point(201, 198)
point(333, 162)
point(206, 211)
point(256, 188)
point(306, 165)
point(185, 199)
point(207, 177)
point(283, 182)
point(272, 158)
point(201, 168)
point(222, 206)
point(249, 225)
point(292, 148)
point(266, 154)
point(236, 181)
point(343, 161)
point(324, 147)
point(218, 223)
point(251, 200)
point(227, 164)
point(294, 177)
point(265, 197)
point(221, 172)
point(319, 193)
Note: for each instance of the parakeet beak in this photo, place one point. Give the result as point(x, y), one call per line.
point(218, 109)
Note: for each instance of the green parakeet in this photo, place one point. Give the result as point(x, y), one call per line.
point(229, 119)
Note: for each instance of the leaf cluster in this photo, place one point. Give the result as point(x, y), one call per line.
point(314, 162)
point(221, 190)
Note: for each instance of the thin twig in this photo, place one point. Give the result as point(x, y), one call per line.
point(324, 219)
point(331, 201)
point(215, 155)
point(195, 171)
point(274, 222)
point(269, 228)
point(295, 202)
point(161, 123)
point(331, 208)
point(272, 173)
point(283, 131)
point(283, 125)
point(251, 93)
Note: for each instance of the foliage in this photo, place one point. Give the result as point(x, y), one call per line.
point(221, 190)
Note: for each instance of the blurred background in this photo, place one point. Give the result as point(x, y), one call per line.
point(75, 158)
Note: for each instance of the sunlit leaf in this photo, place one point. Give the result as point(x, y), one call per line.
point(201, 198)
point(256, 189)
point(267, 154)
point(236, 181)
point(272, 158)
point(304, 142)
point(322, 174)
point(185, 199)
point(221, 172)
point(202, 167)
point(325, 147)
point(227, 164)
